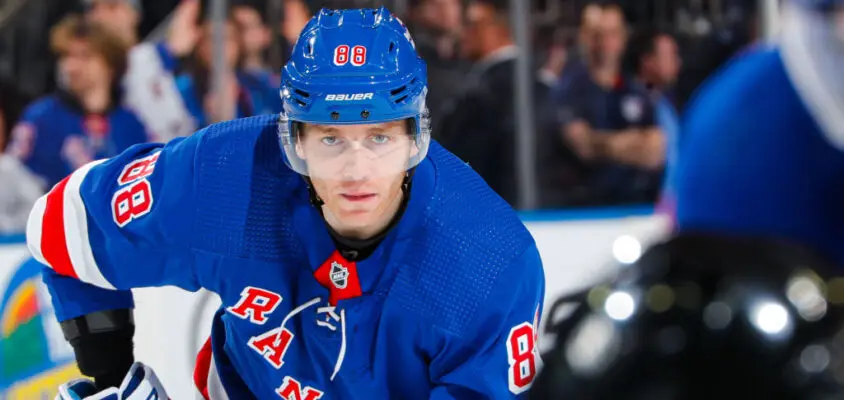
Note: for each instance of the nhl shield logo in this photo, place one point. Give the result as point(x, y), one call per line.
point(339, 275)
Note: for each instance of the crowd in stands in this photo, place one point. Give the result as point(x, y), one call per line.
point(606, 115)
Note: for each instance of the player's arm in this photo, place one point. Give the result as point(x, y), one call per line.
point(109, 226)
point(122, 223)
point(499, 358)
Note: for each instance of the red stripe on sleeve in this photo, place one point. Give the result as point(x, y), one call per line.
point(53, 240)
point(203, 369)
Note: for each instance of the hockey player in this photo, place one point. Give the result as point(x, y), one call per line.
point(761, 149)
point(354, 257)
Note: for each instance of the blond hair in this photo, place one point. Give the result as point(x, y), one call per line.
point(109, 46)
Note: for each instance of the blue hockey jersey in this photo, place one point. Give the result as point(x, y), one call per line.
point(762, 148)
point(446, 308)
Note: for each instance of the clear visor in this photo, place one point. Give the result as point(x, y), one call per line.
point(351, 152)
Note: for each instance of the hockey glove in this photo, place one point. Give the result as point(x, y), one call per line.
point(139, 384)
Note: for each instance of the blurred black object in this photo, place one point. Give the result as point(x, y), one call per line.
point(12, 104)
point(701, 317)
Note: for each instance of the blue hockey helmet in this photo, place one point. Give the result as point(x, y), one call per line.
point(354, 66)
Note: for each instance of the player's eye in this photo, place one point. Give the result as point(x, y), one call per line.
point(380, 139)
point(330, 140)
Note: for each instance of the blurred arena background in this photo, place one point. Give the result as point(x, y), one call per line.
point(512, 84)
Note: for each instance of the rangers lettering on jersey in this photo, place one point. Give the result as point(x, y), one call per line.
point(255, 304)
point(291, 389)
point(272, 345)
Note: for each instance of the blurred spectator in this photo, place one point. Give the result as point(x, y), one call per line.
point(561, 178)
point(120, 16)
point(84, 121)
point(553, 51)
point(296, 14)
point(609, 121)
point(255, 73)
point(254, 36)
point(195, 83)
point(590, 18)
point(20, 187)
point(12, 103)
point(150, 90)
point(435, 26)
point(653, 56)
point(239, 97)
point(481, 128)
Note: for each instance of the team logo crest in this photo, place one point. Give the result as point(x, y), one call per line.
point(339, 275)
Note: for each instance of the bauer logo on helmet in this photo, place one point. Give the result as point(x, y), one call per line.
point(349, 97)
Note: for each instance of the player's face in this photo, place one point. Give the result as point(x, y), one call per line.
point(357, 170)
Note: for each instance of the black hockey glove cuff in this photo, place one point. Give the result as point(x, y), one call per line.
point(102, 343)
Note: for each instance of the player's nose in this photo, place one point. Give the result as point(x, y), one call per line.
point(357, 166)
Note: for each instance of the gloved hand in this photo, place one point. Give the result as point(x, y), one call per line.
point(139, 384)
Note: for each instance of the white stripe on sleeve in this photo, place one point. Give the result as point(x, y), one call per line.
point(34, 227)
point(76, 230)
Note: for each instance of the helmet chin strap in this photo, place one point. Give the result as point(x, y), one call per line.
point(312, 194)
